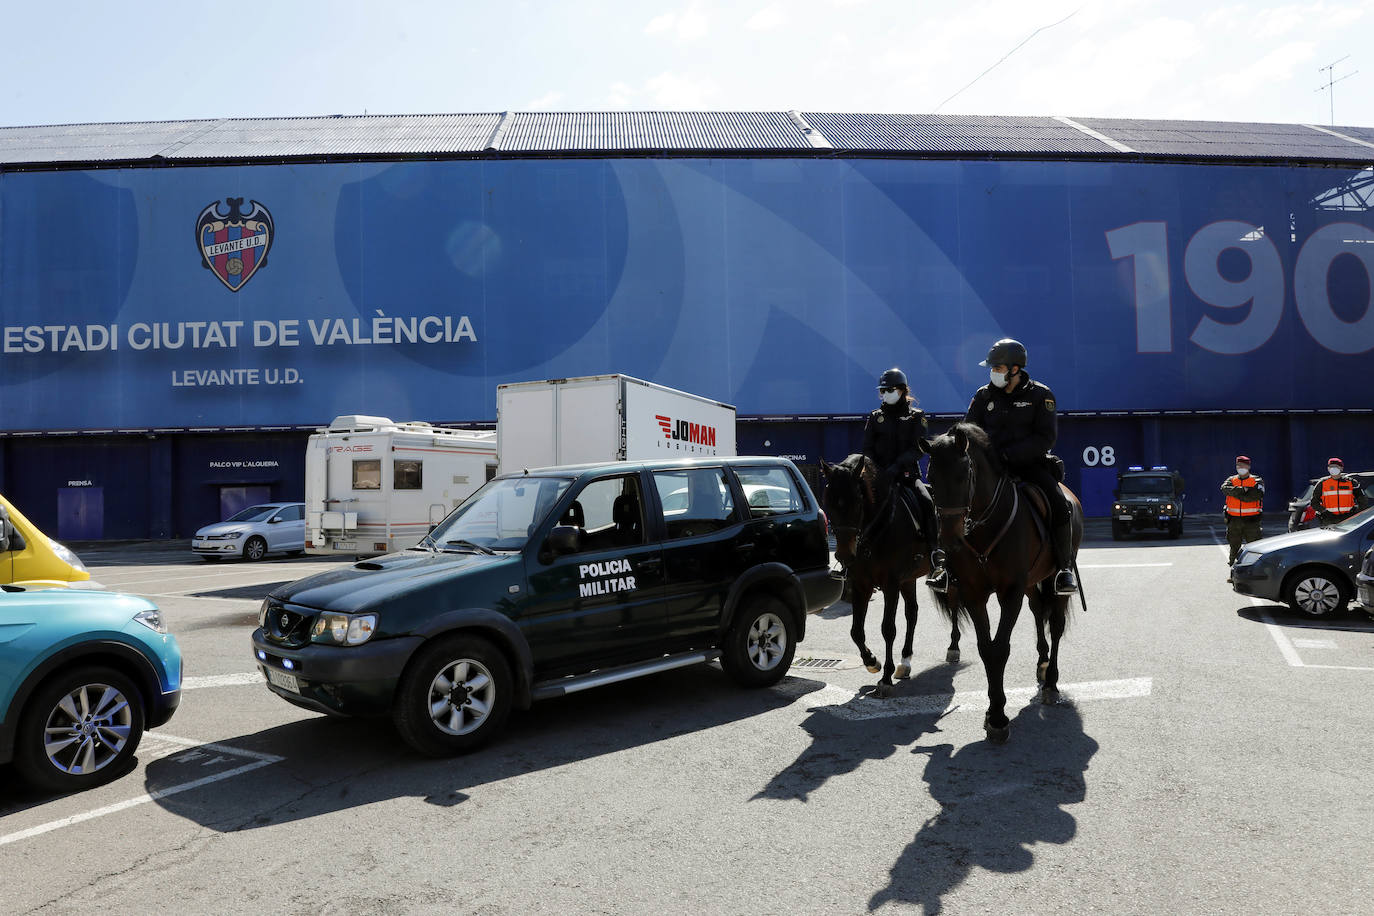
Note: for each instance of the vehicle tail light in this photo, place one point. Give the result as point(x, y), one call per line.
point(825, 523)
point(380, 545)
point(1309, 515)
point(309, 543)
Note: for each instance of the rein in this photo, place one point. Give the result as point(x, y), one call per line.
point(961, 512)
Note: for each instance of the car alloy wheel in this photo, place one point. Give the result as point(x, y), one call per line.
point(461, 696)
point(88, 729)
point(255, 549)
point(79, 729)
point(1316, 595)
point(767, 641)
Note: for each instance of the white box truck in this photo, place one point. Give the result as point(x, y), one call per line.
point(373, 485)
point(606, 418)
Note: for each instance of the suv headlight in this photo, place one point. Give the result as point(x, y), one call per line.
point(343, 629)
point(262, 612)
point(152, 620)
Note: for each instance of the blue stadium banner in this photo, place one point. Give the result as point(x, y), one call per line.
point(287, 294)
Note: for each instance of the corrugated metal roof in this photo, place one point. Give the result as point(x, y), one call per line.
point(951, 133)
point(1225, 139)
point(93, 142)
point(342, 136)
point(652, 130)
point(670, 131)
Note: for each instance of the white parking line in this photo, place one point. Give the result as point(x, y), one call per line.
point(257, 761)
point(1121, 565)
point(849, 704)
point(221, 680)
point(1286, 647)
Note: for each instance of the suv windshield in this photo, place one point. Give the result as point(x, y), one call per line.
point(500, 516)
point(1147, 486)
point(253, 514)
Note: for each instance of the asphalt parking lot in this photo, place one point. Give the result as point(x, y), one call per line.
point(1211, 757)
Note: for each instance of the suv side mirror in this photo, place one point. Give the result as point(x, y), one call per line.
point(563, 540)
point(274, 520)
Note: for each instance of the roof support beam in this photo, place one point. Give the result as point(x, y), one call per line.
point(1096, 135)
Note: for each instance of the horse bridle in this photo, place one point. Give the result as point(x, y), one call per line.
point(961, 512)
point(862, 534)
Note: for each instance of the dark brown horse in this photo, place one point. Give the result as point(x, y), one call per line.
point(997, 544)
point(881, 547)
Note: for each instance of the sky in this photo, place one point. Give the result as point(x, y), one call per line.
point(1260, 60)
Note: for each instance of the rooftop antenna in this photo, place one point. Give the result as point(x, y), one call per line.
point(1330, 71)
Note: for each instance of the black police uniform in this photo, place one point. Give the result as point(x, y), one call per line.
point(894, 438)
point(1023, 427)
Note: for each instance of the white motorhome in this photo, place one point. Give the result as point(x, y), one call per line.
point(373, 485)
point(606, 418)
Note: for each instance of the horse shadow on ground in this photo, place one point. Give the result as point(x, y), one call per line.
point(843, 737)
point(996, 801)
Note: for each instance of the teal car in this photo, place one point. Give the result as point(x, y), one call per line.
point(82, 674)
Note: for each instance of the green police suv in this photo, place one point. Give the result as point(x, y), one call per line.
point(1147, 499)
point(553, 581)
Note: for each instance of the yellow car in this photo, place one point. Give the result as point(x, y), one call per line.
point(30, 558)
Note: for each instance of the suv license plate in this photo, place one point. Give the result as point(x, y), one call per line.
point(345, 545)
point(283, 680)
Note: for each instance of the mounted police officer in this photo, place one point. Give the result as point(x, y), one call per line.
point(1338, 495)
point(894, 439)
point(1019, 416)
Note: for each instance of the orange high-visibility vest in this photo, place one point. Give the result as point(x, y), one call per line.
point(1235, 506)
point(1338, 495)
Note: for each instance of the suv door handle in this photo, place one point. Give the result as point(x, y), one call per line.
point(650, 563)
point(742, 548)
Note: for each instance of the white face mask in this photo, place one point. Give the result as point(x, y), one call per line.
point(1243, 472)
point(998, 378)
point(1334, 470)
point(891, 397)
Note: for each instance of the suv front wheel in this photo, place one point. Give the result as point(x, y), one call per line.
point(454, 696)
point(761, 642)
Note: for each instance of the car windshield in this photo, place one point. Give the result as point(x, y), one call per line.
point(1147, 486)
point(1355, 521)
point(253, 514)
point(500, 516)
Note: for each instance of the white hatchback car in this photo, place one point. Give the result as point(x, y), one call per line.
point(254, 533)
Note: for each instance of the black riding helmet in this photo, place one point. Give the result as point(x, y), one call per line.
point(892, 378)
point(1006, 352)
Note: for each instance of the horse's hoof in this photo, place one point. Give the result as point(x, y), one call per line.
point(1049, 696)
point(1040, 670)
point(998, 735)
point(873, 668)
point(882, 691)
point(952, 656)
point(903, 671)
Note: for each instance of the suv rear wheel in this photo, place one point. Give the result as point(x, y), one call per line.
point(80, 729)
point(761, 642)
point(454, 696)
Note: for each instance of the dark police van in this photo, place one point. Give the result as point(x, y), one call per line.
point(553, 581)
point(1147, 499)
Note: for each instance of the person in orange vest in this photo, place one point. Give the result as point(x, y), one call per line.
point(1244, 503)
point(1338, 496)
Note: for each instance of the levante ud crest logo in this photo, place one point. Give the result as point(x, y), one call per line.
point(234, 245)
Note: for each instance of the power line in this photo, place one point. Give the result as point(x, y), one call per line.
point(1330, 70)
point(1024, 41)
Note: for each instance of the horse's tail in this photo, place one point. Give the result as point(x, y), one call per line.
point(950, 610)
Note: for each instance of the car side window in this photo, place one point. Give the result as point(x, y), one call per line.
point(610, 512)
point(367, 474)
point(292, 514)
point(769, 491)
point(695, 501)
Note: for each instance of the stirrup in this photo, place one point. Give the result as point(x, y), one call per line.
point(1065, 583)
point(938, 580)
